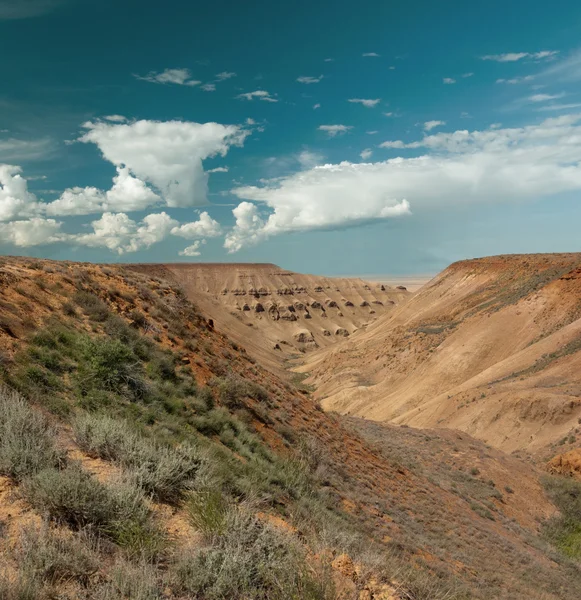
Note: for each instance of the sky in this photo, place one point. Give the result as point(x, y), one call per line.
point(327, 137)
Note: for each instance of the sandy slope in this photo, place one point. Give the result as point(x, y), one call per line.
point(276, 313)
point(490, 346)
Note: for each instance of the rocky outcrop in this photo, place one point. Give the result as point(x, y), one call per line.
point(568, 464)
point(304, 336)
point(259, 308)
point(341, 331)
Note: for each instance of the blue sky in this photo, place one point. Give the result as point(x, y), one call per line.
point(326, 137)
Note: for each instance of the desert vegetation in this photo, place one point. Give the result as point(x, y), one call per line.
point(144, 455)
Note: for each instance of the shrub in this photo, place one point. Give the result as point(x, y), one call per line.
point(26, 438)
point(252, 561)
point(162, 471)
point(129, 581)
point(564, 531)
point(110, 365)
point(54, 557)
point(70, 496)
point(92, 306)
point(118, 511)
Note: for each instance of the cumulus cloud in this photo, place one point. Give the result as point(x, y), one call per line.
point(174, 76)
point(307, 80)
point(167, 155)
point(127, 194)
point(209, 87)
point(448, 80)
point(429, 125)
point(31, 232)
point(370, 54)
point(193, 250)
point(119, 233)
point(15, 199)
point(368, 103)
point(204, 227)
point(516, 56)
point(248, 228)
point(315, 106)
point(493, 165)
point(335, 130)
point(365, 154)
point(260, 94)
point(218, 170)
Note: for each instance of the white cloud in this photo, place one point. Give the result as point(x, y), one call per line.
point(167, 155)
point(248, 228)
point(429, 125)
point(365, 154)
point(516, 80)
point(115, 118)
point(32, 232)
point(465, 75)
point(193, 250)
point(218, 170)
point(388, 114)
point(119, 233)
point(448, 80)
point(175, 76)
point(550, 107)
point(209, 87)
point(495, 165)
point(334, 130)
point(15, 150)
point(204, 227)
point(225, 75)
point(370, 54)
point(320, 198)
point(516, 56)
point(371, 132)
point(15, 199)
point(261, 94)
point(127, 194)
point(329, 59)
point(308, 159)
point(307, 80)
point(365, 101)
point(545, 97)
point(315, 106)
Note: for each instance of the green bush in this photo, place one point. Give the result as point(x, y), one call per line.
point(208, 511)
point(26, 438)
point(564, 530)
point(92, 306)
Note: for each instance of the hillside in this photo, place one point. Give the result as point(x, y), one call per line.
point(276, 313)
point(146, 455)
point(490, 347)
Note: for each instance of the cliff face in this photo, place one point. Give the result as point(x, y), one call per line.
point(277, 313)
point(490, 346)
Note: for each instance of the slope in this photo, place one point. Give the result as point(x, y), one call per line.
point(106, 345)
point(489, 347)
